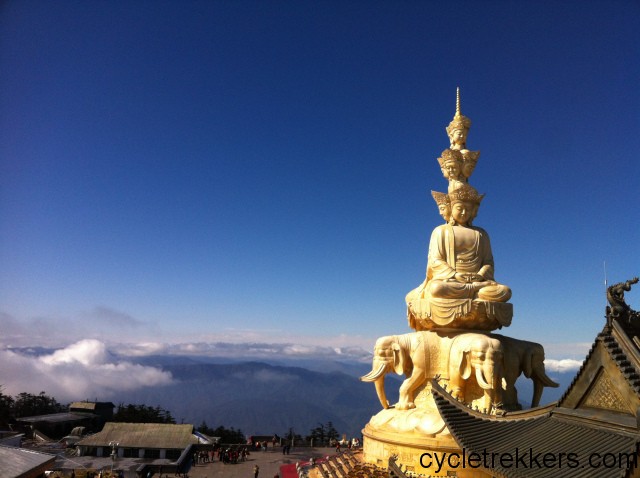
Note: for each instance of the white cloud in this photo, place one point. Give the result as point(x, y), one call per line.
point(563, 365)
point(82, 370)
point(246, 350)
point(143, 349)
point(86, 352)
point(295, 349)
point(280, 337)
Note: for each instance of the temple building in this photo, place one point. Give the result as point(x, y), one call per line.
point(143, 446)
point(592, 431)
point(90, 415)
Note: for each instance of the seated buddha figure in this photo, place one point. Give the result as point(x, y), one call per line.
point(460, 264)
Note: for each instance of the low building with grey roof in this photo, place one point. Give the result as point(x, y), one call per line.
point(140, 446)
point(23, 463)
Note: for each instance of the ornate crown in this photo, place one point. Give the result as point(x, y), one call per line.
point(469, 161)
point(450, 155)
point(465, 193)
point(459, 121)
point(441, 198)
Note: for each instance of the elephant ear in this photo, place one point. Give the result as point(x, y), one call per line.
point(398, 359)
point(465, 366)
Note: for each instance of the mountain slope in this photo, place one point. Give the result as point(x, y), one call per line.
point(263, 399)
point(260, 399)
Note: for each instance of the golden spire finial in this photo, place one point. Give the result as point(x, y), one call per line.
point(459, 120)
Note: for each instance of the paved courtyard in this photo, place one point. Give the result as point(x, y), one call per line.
point(269, 463)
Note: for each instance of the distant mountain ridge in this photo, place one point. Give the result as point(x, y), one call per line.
point(323, 365)
point(259, 398)
point(263, 398)
point(264, 395)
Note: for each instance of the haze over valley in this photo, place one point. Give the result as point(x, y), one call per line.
point(268, 393)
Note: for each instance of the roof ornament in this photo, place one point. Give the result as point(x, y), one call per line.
point(619, 310)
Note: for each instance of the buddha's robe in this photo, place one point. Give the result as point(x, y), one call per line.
point(458, 249)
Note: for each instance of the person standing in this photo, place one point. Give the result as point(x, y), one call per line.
point(256, 471)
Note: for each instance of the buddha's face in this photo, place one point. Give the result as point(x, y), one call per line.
point(467, 168)
point(445, 211)
point(451, 169)
point(458, 137)
point(463, 212)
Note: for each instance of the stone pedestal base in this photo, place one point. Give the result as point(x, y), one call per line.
point(410, 435)
point(411, 453)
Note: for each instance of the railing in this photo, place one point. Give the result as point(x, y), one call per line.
point(394, 469)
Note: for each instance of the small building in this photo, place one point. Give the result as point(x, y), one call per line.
point(23, 463)
point(90, 415)
point(141, 447)
point(102, 409)
point(139, 440)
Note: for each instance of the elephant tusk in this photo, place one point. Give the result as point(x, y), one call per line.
point(374, 374)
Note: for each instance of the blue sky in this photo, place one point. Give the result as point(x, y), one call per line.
point(181, 172)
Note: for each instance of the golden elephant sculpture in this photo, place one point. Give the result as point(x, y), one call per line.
point(408, 355)
point(482, 355)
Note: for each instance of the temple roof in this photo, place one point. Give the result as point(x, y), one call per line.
point(143, 435)
point(597, 418)
point(20, 462)
point(622, 349)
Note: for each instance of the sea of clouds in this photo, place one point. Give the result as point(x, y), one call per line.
point(246, 350)
point(83, 370)
point(88, 368)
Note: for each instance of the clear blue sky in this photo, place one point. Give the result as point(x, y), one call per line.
point(261, 170)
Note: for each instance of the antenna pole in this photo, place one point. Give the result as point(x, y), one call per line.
point(604, 264)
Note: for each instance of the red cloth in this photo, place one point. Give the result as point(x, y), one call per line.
point(288, 471)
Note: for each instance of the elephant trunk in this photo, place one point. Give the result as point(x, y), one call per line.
point(489, 377)
point(540, 380)
point(482, 381)
point(377, 376)
point(537, 393)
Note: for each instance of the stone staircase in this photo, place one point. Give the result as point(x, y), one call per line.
point(347, 465)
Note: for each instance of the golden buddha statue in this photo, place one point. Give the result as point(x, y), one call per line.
point(459, 290)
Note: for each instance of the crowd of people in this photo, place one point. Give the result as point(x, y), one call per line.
point(226, 454)
point(353, 443)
